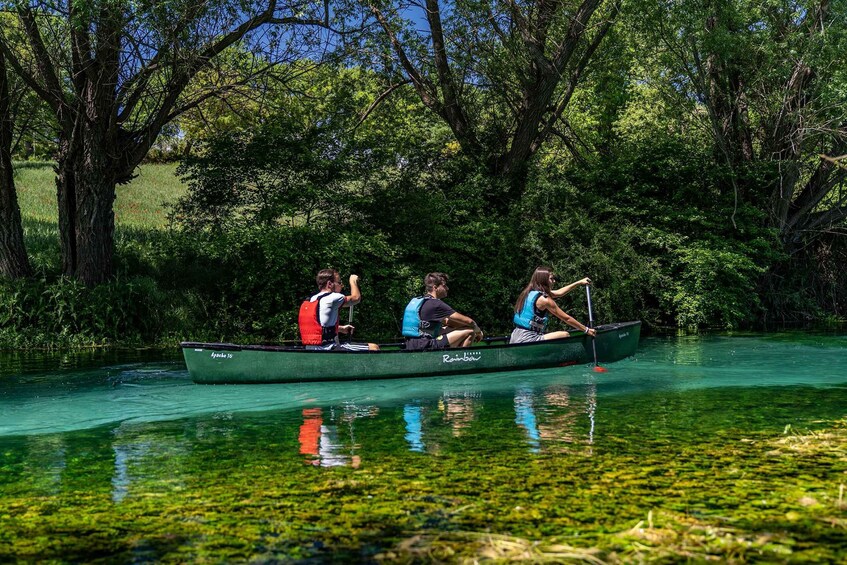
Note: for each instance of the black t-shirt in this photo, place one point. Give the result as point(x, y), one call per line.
point(433, 310)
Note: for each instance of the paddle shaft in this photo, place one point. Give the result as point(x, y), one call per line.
point(350, 321)
point(591, 321)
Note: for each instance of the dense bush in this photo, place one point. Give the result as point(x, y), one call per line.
point(65, 312)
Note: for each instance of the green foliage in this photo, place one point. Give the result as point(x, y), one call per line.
point(275, 174)
point(708, 286)
point(250, 281)
point(65, 312)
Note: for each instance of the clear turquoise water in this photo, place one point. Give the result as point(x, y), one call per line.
point(105, 433)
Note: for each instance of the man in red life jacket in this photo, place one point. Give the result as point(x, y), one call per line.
point(319, 315)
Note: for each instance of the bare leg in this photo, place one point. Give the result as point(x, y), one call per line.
point(460, 338)
point(556, 335)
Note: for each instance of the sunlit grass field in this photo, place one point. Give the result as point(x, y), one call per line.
point(141, 208)
point(143, 203)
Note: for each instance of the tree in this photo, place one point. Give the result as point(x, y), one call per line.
point(114, 73)
point(13, 258)
point(500, 73)
point(772, 97)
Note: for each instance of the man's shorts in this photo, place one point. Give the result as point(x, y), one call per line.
point(427, 343)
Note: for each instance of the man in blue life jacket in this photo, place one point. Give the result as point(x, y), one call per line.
point(319, 315)
point(430, 323)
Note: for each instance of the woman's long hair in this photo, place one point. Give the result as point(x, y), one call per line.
point(540, 281)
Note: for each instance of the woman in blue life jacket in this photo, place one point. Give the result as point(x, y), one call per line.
point(425, 316)
point(536, 302)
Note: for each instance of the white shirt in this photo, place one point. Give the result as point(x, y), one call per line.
point(329, 307)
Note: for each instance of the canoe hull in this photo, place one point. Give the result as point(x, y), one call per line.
point(219, 363)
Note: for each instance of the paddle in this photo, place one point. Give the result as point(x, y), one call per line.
point(597, 367)
point(350, 321)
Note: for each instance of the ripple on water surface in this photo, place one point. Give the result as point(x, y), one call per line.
point(47, 394)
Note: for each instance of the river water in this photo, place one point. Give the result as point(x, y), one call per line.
point(118, 456)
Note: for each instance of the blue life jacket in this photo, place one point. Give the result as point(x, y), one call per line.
point(529, 318)
point(413, 326)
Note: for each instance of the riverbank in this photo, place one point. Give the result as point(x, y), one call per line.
point(242, 281)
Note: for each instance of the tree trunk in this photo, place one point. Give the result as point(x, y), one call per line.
point(66, 198)
point(95, 242)
point(112, 98)
point(86, 181)
point(13, 259)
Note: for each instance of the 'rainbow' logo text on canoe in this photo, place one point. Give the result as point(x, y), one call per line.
point(465, 357)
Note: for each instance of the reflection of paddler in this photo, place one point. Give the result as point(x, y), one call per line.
point(560, 424)
point(310, 434)
point(458, 410)
point(413, 416)
point(525, 417)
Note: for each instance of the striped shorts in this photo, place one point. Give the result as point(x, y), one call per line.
point(339, 347)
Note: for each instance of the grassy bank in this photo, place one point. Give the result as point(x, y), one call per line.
point(50, 311)
point(141, 207)
point(140, 204)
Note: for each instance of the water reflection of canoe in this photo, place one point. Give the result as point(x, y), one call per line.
point(211, 363)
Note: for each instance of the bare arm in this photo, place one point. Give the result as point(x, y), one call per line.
point(460, 321)
point(550, 305)
point(566, 289)
point(355, 295)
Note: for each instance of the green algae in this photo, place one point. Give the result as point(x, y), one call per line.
point(654, 483)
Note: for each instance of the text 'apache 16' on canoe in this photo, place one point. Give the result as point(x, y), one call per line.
point(213, 363)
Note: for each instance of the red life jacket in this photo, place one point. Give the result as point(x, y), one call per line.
point(311, 331)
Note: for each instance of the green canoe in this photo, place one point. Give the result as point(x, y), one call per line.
point(213, 363)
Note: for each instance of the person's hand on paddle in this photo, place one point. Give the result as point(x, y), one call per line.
point(560, 292)
point(590, 331)
point(346, 329)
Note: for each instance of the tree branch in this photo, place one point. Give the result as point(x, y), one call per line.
point(452, 108)
point(835, 160)
point(379, 100)
point(424, 88)
point(51, 90)
point(573, 80)
point(575, 32)
point(818, 187)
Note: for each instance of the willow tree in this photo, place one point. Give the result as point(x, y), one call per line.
point(767, 81)
point(115, 72)
point(500, 73)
